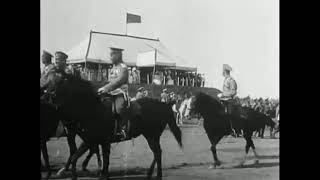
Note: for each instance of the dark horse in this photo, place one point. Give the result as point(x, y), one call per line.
point(49, 121)
point(78, 100)
point(216, 123)
point(48, 124)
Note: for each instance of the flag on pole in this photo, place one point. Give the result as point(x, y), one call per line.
point(132, 18)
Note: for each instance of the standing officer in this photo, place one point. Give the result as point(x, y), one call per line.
point(164, 95)
point(118, 86)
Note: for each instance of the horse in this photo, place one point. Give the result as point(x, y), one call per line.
point(217, 124)
point(78, 100)
point(49, 122)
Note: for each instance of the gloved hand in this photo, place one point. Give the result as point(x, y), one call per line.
point(219, 95)
point(101, 90)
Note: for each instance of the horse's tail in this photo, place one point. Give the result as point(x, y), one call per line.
point(174, 128)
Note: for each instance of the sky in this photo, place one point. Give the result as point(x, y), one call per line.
point(207, 33)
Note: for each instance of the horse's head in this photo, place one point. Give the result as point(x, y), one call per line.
point(203, 103)
point(57, 84)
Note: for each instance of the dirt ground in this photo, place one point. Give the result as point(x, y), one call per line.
point(130, 160)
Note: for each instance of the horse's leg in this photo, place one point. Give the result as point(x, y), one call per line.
point(261, 132)
point(44, 149)
point(97, 151)
point(214, 141)
point(263, 129)
point(271, 133)
point(81, 150)
point(86, 161)
point(154, 144)
point(106, 159)
point(71, 139)
point(249, 143)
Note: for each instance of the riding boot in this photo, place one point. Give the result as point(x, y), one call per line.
point(124, 121)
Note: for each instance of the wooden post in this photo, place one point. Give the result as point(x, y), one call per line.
point(87, 53)
point(155, 62)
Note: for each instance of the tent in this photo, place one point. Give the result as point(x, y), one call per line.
point(95, 49)
point(154, 58)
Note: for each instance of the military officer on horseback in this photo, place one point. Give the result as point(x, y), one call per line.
point(61, 63)
point(229, 91)
point(118, 87)
point(48, 66)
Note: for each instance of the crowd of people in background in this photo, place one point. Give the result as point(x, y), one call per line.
point(142, 76)
point(266, 106)
point(168, 77)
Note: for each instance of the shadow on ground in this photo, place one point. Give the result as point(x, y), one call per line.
point(260, 165)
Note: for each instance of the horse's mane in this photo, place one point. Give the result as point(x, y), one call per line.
point(205, 102)
point(77, 90)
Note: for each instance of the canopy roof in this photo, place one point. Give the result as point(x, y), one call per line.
point(95, 49)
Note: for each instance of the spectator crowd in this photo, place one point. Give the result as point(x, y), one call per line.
point(144, 76)
point(168, 77)
point(267, 106)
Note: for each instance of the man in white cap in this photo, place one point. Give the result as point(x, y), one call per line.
point(118, 87)
point(229, 91)
point(164, 95)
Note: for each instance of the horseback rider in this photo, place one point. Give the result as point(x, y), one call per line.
point(58, 70)
point(229, 91)
point(48, 66)
point(118, 87)
point(61, 65)
point(140, 94)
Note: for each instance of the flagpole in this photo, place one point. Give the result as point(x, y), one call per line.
point(126, 28)
point(126, 22)
point(154, 67)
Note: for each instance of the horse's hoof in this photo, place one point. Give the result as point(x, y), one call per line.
point(85, 170)
point(214, 165)
point(60, 171)
point(149, 176)
point(104, 177)
point(48, 176)
point(240, 165)
point(217, 163)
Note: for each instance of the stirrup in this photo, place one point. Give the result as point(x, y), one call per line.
point(233, 133)
point(123, 134)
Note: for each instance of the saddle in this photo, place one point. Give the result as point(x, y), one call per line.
point(227, 102)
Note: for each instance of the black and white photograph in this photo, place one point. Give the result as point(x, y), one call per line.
point(159, 89)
